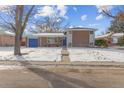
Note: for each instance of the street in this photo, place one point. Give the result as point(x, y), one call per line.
point(59, 77)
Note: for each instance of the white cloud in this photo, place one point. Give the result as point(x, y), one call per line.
point(80, 26)
point(93, 25)
point(99, 17)
point(66, 17)
point(50, 11)
point(5, 8)
point(58, 20)
point(71, 26)
point(46, 11)
point(75, 9)
point(36, 16)
point(84, 17)
point(33, 27)
point(104, 7)
point(62, 10)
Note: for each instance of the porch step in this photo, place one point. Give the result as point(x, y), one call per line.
point(65, 55)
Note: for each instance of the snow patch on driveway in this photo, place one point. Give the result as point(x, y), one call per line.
point(95, 54)
point(3, 67)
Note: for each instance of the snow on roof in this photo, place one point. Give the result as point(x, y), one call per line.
point(49, 35)
point(81, 29)
point(34, 34)
point(113, 35)
point(103, 36)
point(118, 35)
point(7, 33)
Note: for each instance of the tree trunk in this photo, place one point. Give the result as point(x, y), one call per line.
point(17, 33)
point(18, 37)
point(17, 50)
point(20, 27)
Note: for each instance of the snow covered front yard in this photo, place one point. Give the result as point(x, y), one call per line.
point(54, 54)
point(95, 54)
point(31, 54)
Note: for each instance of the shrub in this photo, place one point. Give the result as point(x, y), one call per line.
point(101, 43)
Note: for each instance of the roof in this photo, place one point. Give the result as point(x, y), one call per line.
point(48, 35)
point(34, 34)
point(7, 33)
point(81, 29)
point(118, 35)
point(103, 36)
point(112, 35)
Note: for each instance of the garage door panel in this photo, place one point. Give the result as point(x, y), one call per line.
point(80, 39)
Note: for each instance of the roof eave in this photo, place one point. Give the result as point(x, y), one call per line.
point(81, 29)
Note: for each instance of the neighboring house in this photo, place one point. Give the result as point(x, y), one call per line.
point(105, 36)
point(72, 37)
point(7, 38)
point(114, 38)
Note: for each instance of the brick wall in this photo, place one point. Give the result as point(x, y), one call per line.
point(6, 40)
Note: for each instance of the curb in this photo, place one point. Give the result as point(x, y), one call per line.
point(65, 64)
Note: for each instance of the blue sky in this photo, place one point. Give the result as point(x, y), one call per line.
point(88, 16)
point(82, 15)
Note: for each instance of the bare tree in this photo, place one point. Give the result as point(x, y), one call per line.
point(51, 24)
point(16, 21)
point(117, 22)
point(119, 11)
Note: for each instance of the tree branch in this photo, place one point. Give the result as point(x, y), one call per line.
point(108, 14)
point(26, 18)
point(9, 24)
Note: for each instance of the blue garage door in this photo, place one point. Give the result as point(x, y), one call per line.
point(33, 42)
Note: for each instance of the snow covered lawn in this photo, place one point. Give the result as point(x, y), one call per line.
point(31, 54)
point(95, 54)
point(54, 54)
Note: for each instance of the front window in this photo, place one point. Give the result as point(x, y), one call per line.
point(115, 40)
point(51, 40)
point(91, 32)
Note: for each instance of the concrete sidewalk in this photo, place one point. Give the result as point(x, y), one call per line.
point(64, 64)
